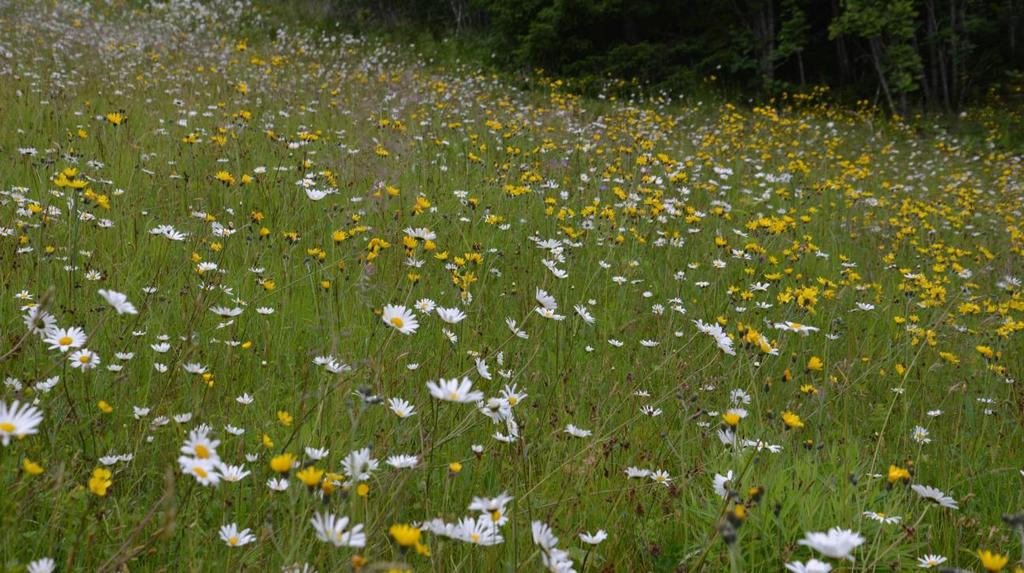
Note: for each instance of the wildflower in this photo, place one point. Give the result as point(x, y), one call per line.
point(30, 467)
point(44, 565)
point(65, 339)
point(310, 476)
point(334, 530)
point(791, 420)
point(934, 495)
point(359, 465)
point(100, 481)
point(930, 561)
point(400, 318)
point(992, 561)
point(84, 359)
point(594, 538)
point(401, 408)
point(118, 301)
point(896, 474)
point(812, 566)
point(451, 315)
point(837, 543)
point(233, 537)
point(205, 471)
point(454, 390)
point(404, 535)
point(282, 463)
point(18, 420)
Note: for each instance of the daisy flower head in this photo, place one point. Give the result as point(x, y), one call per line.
point(454, 390)
point(935, 495)
point(44, 565)
point(812, 566)
point(233, 537)
point(836, 543)
point(451, 315)
point(400, 318)
point(119, 301)
point(64, 339)
point(333, 529)
point(18, 420)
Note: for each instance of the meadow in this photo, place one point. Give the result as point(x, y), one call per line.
point(274, 299)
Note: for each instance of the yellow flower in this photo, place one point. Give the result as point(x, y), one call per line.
point(31, 467)
point(309, 475)
point(897, 473)
point(792, 420)
point(225, 178)
point(731, 418)
point(267, 442)
point(282, 463)
point(104, 407)
point(404, 535)
point(815, 364)
point(100, 481)
point(992, 561)
point(284, 417)
point(362, 490)
point(115, 118)
point(454, 468)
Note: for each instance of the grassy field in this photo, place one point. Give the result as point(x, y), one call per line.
point(709, 330)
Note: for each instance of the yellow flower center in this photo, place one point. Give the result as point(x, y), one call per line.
point(65, 341)
point(84, 359)
point(397, 321)
point(6, 427)
point(474, 537)
point(233, 540)
point(199, 472)
point(496, 515)
point(453, 396)
point(512, 401)
point(202, 451)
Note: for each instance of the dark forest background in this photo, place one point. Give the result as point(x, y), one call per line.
point(902, 54)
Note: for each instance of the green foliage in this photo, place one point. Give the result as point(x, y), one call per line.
point(941, 52)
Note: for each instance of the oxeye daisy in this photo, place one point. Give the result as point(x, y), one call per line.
point(935, 495)
point(401, 408)
point(929, 561)
point(594, 538)
point(65, 339)
point(400, 318)
point(18, 420)
point(454, 390)
point(451, 315)
point(333, 529)
point(836, 543)
point(233, 537)
point(119, 301)
point(402, 461)
point(205, 471)
point(44, 565)
point(84, 359)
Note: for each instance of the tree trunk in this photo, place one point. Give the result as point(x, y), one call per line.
point(876, 59)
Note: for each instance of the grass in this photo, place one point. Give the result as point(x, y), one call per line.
point(664, 212)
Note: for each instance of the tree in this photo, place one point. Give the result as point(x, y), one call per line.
point(888, 28)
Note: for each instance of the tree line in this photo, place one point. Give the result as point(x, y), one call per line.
point(937, 54)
